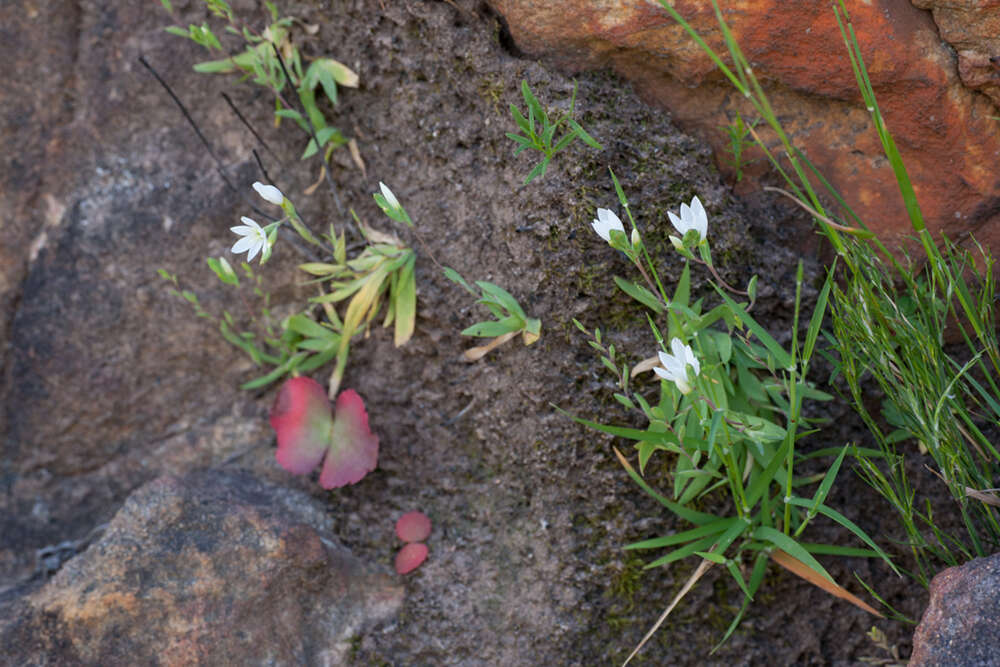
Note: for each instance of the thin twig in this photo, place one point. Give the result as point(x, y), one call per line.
point(204, 141)
point(247, 124)
point(260, 165)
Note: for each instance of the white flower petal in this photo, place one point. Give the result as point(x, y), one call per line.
point(677, 223)
point(605, 222)
point(251, 222)
point(700, 217)
point(390, 198)
point(242, 245)
point(254, 249)
point(269, 193)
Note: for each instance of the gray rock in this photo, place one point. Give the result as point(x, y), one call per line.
point(211, 568)
point(962, 623)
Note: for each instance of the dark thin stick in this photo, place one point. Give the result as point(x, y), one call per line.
point(204, 141)
point(312, 129)
point(260, 164)
point(247, 124)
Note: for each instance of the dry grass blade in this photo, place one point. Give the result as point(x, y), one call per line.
point(645, 365)
point(688, 585)
point(813, 212)
point(352, 147)
point(987, 496)
point(800, 569)
point(477, 353)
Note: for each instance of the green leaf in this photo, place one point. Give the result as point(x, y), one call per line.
point(216, 66)
point(781, 357)
point(790, 547)
point(831, 513)
point(564, 142)
point(308, 327)
point(817, 317)
point(493, 329)
point(640, 294)
point(539, 170)
point(694, 516)
point(503, 297)
point(405, 303)
point(766, 476)
point(756, 578)
point(618, 188)
point(317, 344)
point(587, 139)
point(316, 360)
point(533, 105)
point(684, 551)
point(521, 121)
point(265, 380)
point(708, 529)
point(831, 474)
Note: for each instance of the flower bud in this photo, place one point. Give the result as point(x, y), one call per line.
point(269, 193)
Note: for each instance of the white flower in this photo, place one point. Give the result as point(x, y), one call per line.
point(269, 193)
point(692, 217)
point(254, 238)
point(675, 365)
point(605, 222)
point(390, 198)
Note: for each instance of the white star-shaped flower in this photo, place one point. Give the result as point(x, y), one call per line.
point(692, 217)
point(675, 365)
point(254, 238)
point(606, 221)
point(269, 193)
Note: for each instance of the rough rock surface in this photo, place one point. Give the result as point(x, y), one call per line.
point(943, 129)
point(972, 28)
point(212, 568)
point(962, 623)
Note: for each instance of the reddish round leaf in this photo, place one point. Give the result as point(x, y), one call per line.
point(413, 527)
point(410, 557)
point(302, 419)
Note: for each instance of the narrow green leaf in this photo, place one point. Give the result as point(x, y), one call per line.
point(587, 139)
point(503, 297)
point(683, 552)
point(831, 513)
point(405, 303)
point(766, 476)
point(790, 547)
point(640, 294)
point(781, 357)
point(694, 516)
point(712, 528)
point(493, 329)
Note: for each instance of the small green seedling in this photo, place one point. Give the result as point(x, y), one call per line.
point(541, 141)
point(739, 133)
point(511, 319)
point(272, 60)
point(385, 266)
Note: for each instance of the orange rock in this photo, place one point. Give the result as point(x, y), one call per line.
point(943, 130)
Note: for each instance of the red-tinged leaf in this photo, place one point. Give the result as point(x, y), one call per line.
point(302, 419)
point(413, 527)
point(353, 448)
point(410, 557)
